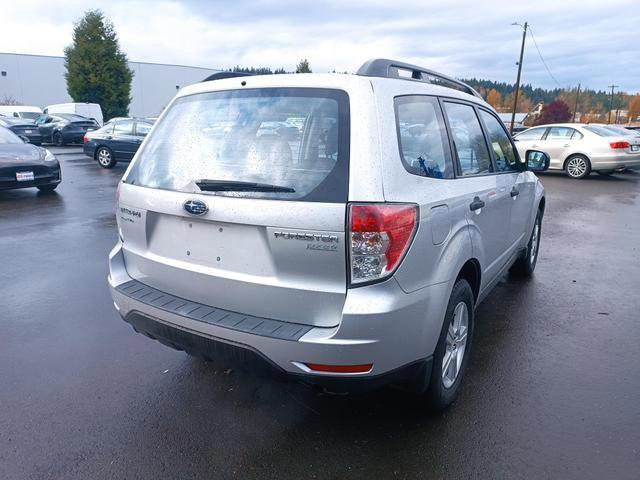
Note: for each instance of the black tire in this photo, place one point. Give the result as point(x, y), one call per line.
point(47, 188)
point(577, 167)
point(58, 140)
point(526, 264)
point(439, 395)
point(105, 158)
point(605, 173)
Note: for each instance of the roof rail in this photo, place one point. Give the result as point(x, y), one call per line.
point(223, 75)
point(382, 67)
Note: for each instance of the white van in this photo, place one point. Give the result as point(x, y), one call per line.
point(87, 110)
point(20, 111)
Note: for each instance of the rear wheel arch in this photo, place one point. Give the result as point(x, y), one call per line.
point(574, 154)
point(98, 147)
point(471, 272)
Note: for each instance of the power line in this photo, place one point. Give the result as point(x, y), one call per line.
point(542, 58)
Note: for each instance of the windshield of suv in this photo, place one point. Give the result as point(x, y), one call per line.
point(295, 139)
point(7, 136)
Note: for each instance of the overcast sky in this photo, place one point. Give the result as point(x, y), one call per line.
point(592, 42)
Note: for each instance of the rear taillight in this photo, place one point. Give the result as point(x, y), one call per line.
point(380, 235)
point(118, 213)
point(85, 139)
point(616, 145)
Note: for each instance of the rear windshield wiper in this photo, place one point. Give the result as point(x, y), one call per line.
point(236, 186)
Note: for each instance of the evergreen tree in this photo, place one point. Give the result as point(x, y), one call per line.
point(303, 66)
point(97, 70)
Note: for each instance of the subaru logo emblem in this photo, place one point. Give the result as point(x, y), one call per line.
point(195, 207)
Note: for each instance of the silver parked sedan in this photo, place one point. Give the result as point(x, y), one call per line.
point(579, 149)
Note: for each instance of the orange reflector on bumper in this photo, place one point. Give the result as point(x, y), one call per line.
point(317, 367)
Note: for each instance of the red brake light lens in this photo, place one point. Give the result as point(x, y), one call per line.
point(317, 367)
point(85, 139)
point(380, 235)
point(616, 145)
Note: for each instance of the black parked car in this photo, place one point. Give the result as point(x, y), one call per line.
point(117, 141)
point(63, 128)
point(23, 165)
point(23, 128)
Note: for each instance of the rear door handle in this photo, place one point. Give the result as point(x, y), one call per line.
point(477, 204)
point(515, 192)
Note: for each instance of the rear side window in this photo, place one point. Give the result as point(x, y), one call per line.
point(123, 128)
point(294, 138)
point(531, 134)
point(468, 139)
point(142, 128)
point(108, 127)
point(422, 137)
point(560, 133)
point(503, 150)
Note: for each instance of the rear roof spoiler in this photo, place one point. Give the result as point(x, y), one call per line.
point(382, 67)
point(223, 75)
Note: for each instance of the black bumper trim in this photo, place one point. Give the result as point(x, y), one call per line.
point(214, 316)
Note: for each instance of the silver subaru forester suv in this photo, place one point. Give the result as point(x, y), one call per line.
point(338, 229)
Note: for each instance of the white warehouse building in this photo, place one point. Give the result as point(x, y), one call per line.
point(38, 80)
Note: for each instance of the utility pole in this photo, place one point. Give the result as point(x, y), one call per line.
point(611, 102)
point(575, 109)
point(515, 100)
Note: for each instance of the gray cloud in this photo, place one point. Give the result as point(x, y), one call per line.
point(582, 41)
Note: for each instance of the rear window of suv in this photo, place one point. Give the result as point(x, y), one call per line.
point(295, 138)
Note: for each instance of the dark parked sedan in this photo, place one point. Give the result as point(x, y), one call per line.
point(23, 128)
point(63, 128)
point(23, 165)
point(117, 141)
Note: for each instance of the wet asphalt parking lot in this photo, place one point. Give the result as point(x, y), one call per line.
point(553, 388)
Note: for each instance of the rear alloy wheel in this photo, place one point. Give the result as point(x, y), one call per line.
point(105, 157)
point(578, 167)
point(58, 140)
point(452, 352)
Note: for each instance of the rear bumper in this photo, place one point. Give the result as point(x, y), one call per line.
point(411, 376)
point(89, 148)
point(74, 136)
point(34, 137)
point(615, 161)
point(393, 330)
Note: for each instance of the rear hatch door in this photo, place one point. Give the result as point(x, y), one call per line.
point(221, 210)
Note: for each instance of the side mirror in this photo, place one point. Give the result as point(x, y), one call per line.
point(537, 161)
point(24, 139)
